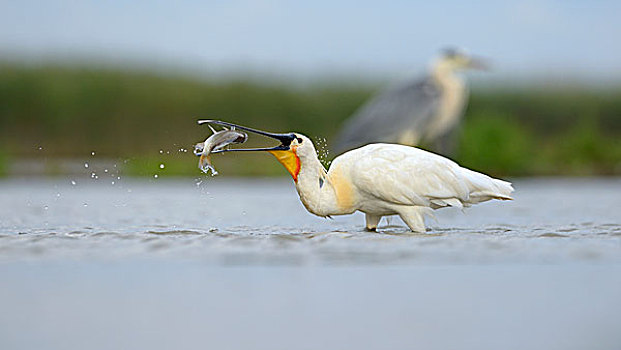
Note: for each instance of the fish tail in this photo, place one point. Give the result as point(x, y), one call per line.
point(205, 165)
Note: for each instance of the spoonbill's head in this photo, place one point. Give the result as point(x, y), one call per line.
point(294, 148)
point(452, 59)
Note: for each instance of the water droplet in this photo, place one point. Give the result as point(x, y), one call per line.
point(155, 176)
point(85, 205)
point(105, 170)
point(118, 177)
point(161, 152)
point(93, 153)
point(45, 207)
point(40, 148)
point(86, 165)
point(73, 183)
point(161, 166)
point(112, 182)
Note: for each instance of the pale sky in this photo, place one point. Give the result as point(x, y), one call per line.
point(581, 38)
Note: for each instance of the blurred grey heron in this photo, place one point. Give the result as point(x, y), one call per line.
point(415, 111)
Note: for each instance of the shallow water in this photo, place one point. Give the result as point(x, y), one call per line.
point(222, 221)
point(238, 263)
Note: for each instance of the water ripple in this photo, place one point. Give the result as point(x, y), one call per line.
point(238, 223)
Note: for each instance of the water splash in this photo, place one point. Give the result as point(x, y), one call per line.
point(323, 151)
point(205, 168)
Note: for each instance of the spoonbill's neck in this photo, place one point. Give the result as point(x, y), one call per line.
point(318, 191)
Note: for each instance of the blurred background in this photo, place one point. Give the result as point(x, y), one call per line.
point(110, 247)
point(88, 86)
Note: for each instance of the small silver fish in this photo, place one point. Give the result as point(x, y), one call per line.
point(216, 142)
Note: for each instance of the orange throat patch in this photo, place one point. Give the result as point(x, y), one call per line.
point(290, 161)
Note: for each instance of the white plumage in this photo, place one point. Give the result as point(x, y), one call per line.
point(389, 179)
point(411, 176)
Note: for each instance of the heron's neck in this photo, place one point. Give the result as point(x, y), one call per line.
point(446, 76)
point(317, 192)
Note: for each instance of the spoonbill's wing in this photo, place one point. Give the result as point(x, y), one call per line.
point(410, 176)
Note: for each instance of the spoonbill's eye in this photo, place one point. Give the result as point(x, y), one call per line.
point(298, 139)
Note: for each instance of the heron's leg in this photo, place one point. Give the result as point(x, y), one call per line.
point(372, 221)
point(408, 137)
point(413, 217)
point(446, 144)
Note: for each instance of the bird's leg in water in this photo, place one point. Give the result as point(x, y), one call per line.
point(413, 217)
point(372, 221)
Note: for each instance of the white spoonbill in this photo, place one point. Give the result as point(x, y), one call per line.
point(378, 179)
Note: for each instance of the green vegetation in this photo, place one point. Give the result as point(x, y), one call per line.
point(543, 132)
point(70, 112)
point(182, 165)
point(497, 143)
point(3, 163)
